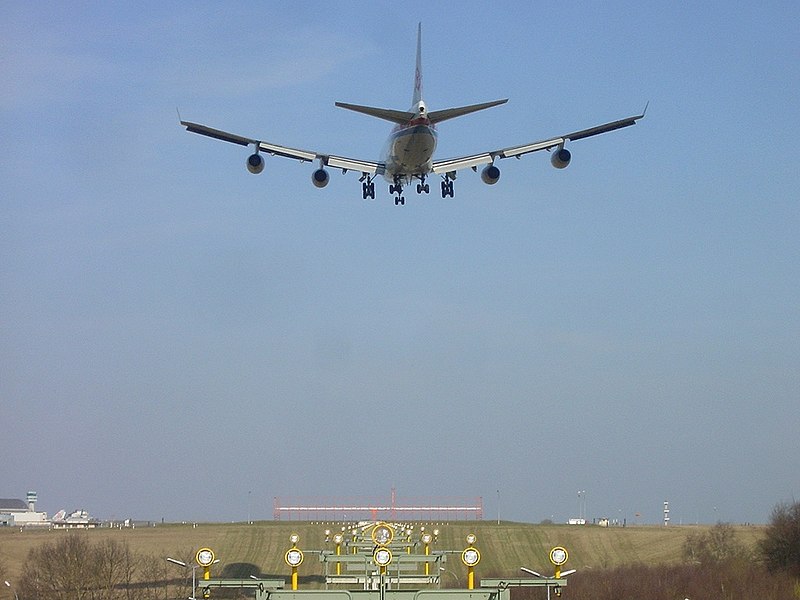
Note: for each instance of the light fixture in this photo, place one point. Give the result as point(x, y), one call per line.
point(470, 556)
point(471, 539)
point(559, 555)
point(382, 556)
point(294, 538)
point(382, 534)
point(427, 538)
point(205, 557)
point(293, 557)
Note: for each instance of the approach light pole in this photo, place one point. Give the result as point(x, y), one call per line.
point(13, 589)
point(452, 573)
point(180, 563)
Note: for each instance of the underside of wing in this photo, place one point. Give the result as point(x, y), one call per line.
point(334, 161)
point(560, 159)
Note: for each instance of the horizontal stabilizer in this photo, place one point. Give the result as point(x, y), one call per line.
point(438, 116)
point(395, 116)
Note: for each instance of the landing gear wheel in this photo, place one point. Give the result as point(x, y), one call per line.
point(368, 190)
point(397, 188)
point(447, 189)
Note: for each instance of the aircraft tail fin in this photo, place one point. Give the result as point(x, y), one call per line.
point(418, 73)
point(402, 117)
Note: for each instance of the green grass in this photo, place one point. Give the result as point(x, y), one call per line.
point(259, 548)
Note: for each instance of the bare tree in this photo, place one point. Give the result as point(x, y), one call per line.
point(59, 570)
point(153, 578)
point(718, 544)
point(74, 569)
point(781, 546)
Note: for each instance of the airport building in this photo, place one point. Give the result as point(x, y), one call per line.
point(16, 513)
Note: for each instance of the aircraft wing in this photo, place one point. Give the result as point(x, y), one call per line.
point(332, 160)
point(474, 160)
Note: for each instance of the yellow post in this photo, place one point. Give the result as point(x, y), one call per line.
point(338, 564)
point(558, 572)
point(206, 573)
point(294, 558)
point(471, 578)
point(427, 564)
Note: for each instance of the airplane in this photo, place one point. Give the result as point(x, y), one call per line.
point(409, 151)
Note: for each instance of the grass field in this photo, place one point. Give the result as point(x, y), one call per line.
point(259, 548)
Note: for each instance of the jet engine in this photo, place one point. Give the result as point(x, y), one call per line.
point(320, 178)
point(560, 158)
point(255, 163)
point(490, 174)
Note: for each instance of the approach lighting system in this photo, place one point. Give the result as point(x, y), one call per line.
point(293, 557)
point(294, 538)
point(470, 556)
point(471, 539)
point(204, 557)
point(337, 538)
point(382, 534)
point(382, 556)
point(427, 538)
point(559, 556)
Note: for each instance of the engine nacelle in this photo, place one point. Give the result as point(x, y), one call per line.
point(490, 174)
point(560, 158)
point(255, 163)
point(320, 178)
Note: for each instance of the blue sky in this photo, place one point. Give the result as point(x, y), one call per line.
point(181, 339)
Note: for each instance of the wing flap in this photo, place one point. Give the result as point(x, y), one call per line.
point(527, 148)
point(352, 164)
point(462, 162)
point(276, 150)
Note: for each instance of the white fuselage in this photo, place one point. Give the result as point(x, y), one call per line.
point(409, 150)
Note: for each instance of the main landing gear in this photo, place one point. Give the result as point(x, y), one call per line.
point(367, 187)
point(422, 186)
point(397, 188)
point(447, 186)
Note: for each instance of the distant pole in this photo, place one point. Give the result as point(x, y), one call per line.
point(249, 521)
point(585, 506)
point(498, 507)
